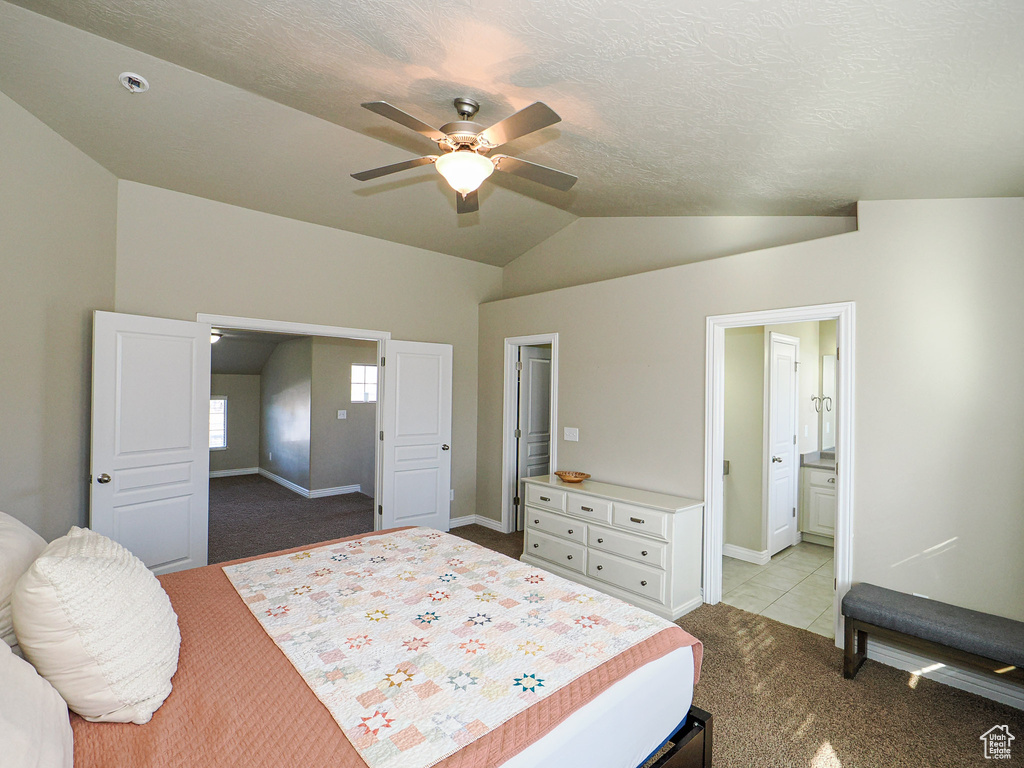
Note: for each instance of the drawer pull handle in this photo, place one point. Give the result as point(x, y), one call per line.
point(644, 553)
point(636, 520)
point(536, 545)
point(570, 531)
point(831, 479)
point(568, 557)
point(600, 541)
point(643, 583)
point(536, 521)
point(545, 498)
point(586, 509)
point(600, 567)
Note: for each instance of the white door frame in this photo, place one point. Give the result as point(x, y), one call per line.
point(714, 439)
point(766, 449)
point(309, 329)
point(511, 416)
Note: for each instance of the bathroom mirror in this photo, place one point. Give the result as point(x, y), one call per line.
point(827, 415)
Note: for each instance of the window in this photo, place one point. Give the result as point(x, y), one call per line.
point(364, 383)
point(218, 423)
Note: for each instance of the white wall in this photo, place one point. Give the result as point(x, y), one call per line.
point(243, 394)
point(937, 286)
point(592, 249)
point(58, 215)
point(179, 255)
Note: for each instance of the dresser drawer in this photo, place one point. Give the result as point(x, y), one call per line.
point(822, 477)
point(633, 547)
point(631, 576)
point(545, 497)
point(567, 554)
point(559, 525)
point(641, 520)
point(589, 507)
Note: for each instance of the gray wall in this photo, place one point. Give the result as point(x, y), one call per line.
point(243, 394)
point(592, 249)
point(744, 437)
point(58, 217)
point(285, 411)
point(342, 451)
point(938, 488)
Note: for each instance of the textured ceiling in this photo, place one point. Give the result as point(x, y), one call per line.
point(670, 107)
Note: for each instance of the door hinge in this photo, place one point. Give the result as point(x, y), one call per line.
point(796, 366)
point(515, 501)
point(519, 365)
point(382, 362)
point(794, 511)
point(518, 433)
point(382, 434)
point(380, 509)
point(725, 467)
point(794, 439)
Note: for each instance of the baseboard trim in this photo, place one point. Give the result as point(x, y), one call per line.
point(486, 522)
point(817, 538)
point(747, 555)
point(286, 483)
point(338, 490)
point(234, 472)
point(967, 680)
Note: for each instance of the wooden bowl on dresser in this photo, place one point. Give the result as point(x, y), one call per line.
point(572, 477)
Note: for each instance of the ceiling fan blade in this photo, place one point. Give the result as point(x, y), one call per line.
point(534, 117)
point(394, 113)
point(549, 177)
point(384, 170)
point(467, 204)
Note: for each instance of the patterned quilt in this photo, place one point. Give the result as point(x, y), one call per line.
point(419, 642)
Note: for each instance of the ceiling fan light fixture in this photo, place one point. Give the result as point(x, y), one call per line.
point(464, 170)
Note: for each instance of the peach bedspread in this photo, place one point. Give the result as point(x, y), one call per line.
point(238, 701)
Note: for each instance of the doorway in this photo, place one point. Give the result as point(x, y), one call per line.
point(529, 436)
point(293, 440)
point(716, 469)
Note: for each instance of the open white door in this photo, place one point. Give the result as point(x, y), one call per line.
point(784, 351)
point(417, 434)
point(150, 462)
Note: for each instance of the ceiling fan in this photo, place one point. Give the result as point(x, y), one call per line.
point(465, 144)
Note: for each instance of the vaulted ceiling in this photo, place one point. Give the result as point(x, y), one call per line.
point(669, 107)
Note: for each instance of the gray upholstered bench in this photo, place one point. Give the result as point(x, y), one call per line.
point(956, 635)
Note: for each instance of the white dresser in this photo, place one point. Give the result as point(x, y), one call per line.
point(640, 546)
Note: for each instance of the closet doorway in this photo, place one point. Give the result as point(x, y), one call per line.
point(529, 436)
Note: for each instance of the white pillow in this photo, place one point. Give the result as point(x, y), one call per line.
point(34, 728)
point(97, 624)
point(19, 546)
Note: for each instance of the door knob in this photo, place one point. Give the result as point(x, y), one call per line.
point(103, 479)
point(444, 447)
point(776, 459)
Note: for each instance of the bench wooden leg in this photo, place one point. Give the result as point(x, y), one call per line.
point(855, 649)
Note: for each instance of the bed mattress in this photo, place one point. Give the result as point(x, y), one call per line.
point(226, 711)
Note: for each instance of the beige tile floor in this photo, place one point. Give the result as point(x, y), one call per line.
point(796, 587)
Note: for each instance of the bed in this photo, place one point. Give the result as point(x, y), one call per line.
point(239, 700)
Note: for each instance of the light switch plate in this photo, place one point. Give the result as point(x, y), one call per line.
point(342, 414)
point(572, 434)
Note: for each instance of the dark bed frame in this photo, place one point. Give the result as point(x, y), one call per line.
point(690, 744)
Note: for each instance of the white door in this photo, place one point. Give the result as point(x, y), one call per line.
point(534, 436)
point(150, 459)
point(417, 427)
point(784, 351)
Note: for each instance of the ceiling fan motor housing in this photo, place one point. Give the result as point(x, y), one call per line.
point(461, 133)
